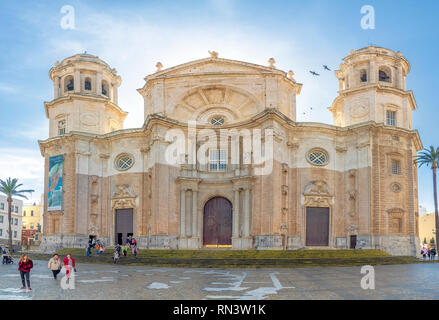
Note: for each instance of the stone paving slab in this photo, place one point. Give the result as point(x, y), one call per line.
point(92, 281)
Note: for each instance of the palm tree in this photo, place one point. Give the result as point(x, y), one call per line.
point(9, 187)
point(430, 157)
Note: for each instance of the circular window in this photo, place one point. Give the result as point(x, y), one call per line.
point(318, 157)
point(395, 187)
point(124, 161)
point(217, 121)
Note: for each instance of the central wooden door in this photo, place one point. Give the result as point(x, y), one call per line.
point(317, 226)
point(123, 225)
point(217, 223)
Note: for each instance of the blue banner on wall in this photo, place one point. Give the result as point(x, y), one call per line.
point(54, 195)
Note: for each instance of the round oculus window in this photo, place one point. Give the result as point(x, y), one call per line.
point(124, 162)
point(318, 157)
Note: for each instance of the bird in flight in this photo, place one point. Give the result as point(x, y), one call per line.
point(326, 67)
point(314, 73)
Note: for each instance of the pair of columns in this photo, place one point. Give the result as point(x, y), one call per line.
point(183, 213)
point(246, 212)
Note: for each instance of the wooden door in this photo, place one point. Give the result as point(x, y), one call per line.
point(123, 224)
point(217, 223)
point(353, 242)
point(317, 226)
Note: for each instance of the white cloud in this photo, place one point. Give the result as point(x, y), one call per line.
point(7, 88)
point(24, 164)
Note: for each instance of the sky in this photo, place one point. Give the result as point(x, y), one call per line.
point(132, 36)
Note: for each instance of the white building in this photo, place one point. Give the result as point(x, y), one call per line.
point(17, 207)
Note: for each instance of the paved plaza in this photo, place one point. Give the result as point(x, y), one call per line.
point(94, 281)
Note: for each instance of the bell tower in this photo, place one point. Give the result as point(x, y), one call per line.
point(372, 87)
point(85, 97)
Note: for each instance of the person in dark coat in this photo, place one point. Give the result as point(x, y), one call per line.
point(24, 266)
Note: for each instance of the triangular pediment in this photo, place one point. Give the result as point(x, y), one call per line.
point(212, 66)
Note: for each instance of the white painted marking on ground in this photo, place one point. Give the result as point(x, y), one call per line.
point(158, 285)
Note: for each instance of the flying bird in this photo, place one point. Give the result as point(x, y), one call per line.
point(314, 73)
point(326, 67)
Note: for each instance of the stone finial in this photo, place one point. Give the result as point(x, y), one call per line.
point(290, 75)
point(351, 52)
point(159, 66)
point(213, 54)
point(271, 62)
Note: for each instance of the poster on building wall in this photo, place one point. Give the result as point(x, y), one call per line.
point(54, 195)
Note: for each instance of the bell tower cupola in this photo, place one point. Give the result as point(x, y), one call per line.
point(85, 97)
point(372, 87)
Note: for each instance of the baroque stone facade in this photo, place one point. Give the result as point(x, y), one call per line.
point(348, 185)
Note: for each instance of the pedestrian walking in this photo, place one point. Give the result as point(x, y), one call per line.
point(432, 253)
point(54, 265)
point(101, 249)
point(125, 250)
point(24, 266)
point(135, 251)
point(69, 264)
point(116, 257)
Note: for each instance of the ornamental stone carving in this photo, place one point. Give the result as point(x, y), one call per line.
point(317, 194)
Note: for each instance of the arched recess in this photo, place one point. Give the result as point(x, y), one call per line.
point(200, 103)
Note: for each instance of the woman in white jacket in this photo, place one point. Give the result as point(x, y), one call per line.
point(54, 265)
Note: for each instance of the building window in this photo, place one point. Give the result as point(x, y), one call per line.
point(391, 118)
point(31, 213)
point(24, 213)
point(69, 84)
point(15, 234)
point(87, 84)
point(1, 219)
point(396, 167)
point(384, 75)
point(1, 232)
point(16, 221)
point(16, 209)
point(124, 162)
point(217, 121)
point(61, 127)
point(2, 206)
point(105, 88)
point(318, 157)
point(363, 76)
point(217, 160)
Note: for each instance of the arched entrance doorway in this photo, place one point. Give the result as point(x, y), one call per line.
point(217, 222)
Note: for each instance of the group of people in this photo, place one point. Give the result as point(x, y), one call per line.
point(6, 255)
point(428, 251)
point(130, 244)
point(55, 265)
point(97, 245)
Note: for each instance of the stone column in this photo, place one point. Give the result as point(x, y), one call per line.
point(372, 71)
point(98, 86)
point(182, 213)
point(247, 212)
point(115, 97)
point(194, 213)
point(77, 81)
point(236, 214)
point(56, 88)
point(399, 77)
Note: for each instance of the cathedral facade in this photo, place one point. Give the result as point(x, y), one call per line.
point(222, 162)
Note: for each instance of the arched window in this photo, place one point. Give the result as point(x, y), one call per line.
point(69, 84)
point(87, 84)
point(363, 75)
point(384, 74)
point(105, 88)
